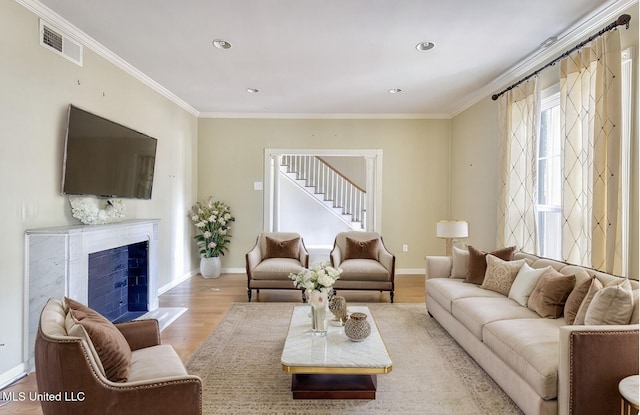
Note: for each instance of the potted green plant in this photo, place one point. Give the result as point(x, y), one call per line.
point(213, 220)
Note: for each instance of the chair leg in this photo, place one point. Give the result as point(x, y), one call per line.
point(304, 297)
point(391, 296)
point(249, 294)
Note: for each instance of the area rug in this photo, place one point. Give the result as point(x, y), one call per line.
point(240, 368)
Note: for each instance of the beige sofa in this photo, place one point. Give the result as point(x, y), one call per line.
point(365, 262)
point(543, 364)
point(71, 372)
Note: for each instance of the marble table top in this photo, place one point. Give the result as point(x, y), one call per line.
point(304, 352)
point(628, 388)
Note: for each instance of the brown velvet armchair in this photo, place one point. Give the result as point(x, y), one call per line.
point(69, 369)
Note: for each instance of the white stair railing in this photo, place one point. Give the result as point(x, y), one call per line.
point(323, 180)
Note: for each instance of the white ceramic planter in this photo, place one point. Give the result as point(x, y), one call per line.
point(210, 267)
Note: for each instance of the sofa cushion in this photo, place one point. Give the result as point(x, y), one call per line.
point(550, 293)
point(460, 262)
point(478, 262)
point(611, 305)
point(475, 312)
point(574, 300)
point(282, 249)
point(276, 268)
point(356, 249)
point(363, 270)
point(524, 283)
point(445, 290)
point(500, 274)
point(109, 343)
point(594, 287)
point(155, 362)
point(531, 348)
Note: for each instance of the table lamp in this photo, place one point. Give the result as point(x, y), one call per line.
point(450, 230)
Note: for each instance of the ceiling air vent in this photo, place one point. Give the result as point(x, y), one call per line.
point(57, 42)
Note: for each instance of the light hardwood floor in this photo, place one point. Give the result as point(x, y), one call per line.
point(207, 300)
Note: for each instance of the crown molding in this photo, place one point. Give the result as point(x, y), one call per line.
point(326, 116)
point(566, 40)
point(78, 35)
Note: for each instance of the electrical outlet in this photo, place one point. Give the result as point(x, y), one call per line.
point(405, 248)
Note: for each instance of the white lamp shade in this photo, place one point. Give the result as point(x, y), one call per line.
point(452, 229)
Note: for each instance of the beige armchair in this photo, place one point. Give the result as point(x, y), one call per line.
point(272, 259)
point(365, 261)
point(70, 369)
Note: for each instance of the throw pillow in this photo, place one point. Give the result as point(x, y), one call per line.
point(575, 299)
point(635, 318)
point(611, 305)
point(478, 262)
point(595, 286)
point(550, 293)
point(500, 274)
point(282, 249)
point(361, 249)
point(110, 344)
point(460, 259)
point(525, 282)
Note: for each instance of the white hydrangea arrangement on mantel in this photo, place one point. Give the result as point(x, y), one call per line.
point(95, 211)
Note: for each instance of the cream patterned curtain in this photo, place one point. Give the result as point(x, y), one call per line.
point(519, 118)
point(590, 106)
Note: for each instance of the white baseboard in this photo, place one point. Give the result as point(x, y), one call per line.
point(399, 271)
point(174, 283)
point(234, 270)
point(10, 376)
point(412, 271)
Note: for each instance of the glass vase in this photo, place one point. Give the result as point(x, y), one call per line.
point(319, 320)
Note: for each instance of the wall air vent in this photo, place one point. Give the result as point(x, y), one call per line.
point(57, 42)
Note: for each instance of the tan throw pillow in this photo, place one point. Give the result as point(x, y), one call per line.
point(110, 344)
point(525, 282)
point(282, 249)
point(611, 305)
point(596, 285)
point(575, 299)
point(361, 249)
point(500, 274)
point(478, 262)
point(634, 314)
point(550, 293)
point(460, 260)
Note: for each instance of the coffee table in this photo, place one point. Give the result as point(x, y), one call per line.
point(332, 366)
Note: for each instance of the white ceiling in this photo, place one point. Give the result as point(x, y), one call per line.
point(325, 57)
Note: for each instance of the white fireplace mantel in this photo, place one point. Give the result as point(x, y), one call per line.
point(57, 264)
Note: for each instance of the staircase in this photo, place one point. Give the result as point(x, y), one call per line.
point(337, 193)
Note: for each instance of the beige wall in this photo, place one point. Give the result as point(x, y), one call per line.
point(37, 87)
point(474, 171)
point(415, 183)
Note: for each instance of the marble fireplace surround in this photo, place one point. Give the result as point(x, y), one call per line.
point(57, 264)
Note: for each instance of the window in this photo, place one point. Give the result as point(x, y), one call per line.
point(549, 176)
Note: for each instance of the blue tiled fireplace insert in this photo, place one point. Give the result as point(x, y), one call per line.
point(118, 282)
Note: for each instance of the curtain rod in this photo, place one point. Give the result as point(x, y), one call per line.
point(622, 20)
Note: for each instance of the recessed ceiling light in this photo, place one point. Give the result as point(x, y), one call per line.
point(395, 90)
point(425, 46)
point(253, 90)
point(221, 44)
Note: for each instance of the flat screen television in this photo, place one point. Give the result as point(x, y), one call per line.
point(106, 159)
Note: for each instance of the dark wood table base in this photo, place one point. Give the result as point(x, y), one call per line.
point(329, 386)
